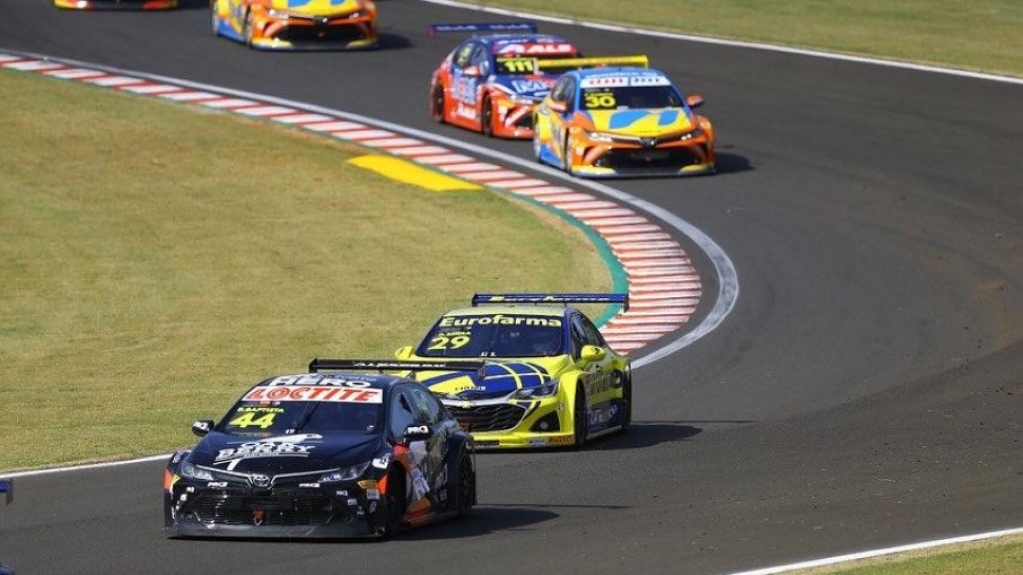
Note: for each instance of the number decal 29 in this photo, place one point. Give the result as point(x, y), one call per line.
point(442, 342)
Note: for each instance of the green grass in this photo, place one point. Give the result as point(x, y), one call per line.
point(996, 557)
point(157, 259)
point(978, 35)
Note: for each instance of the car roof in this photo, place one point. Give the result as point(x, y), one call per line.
point(619, 72)
point(383, 381)
point(500, 39)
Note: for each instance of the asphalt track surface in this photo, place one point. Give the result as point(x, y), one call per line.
point(866, 390)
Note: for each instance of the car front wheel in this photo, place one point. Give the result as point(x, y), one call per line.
point(437, 103)
point(464, 489)
point(580, 423)
point(394, 504)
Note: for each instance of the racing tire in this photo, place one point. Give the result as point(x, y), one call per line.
point(537, 146)
point(437, 104)
point(627, 402)
point(247, 29)
point(464, 487)
point(394, 504)
point(487, 118)
point(566, 157)
point(580, 423)
point(214, 22)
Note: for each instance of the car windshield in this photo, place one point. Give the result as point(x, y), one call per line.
point(494, 335)
point(253, 415)
point(629, 97)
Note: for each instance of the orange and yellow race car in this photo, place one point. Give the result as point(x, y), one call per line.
point(489, 83)
point(297, 24)
point(629, 121)
point(116, 4)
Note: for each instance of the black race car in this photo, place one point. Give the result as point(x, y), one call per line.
point(333, 453)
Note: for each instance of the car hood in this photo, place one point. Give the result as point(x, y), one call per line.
point(497, 380)
point(640, 122)
point(533, 87)
point(278, 454)
point(317, 7)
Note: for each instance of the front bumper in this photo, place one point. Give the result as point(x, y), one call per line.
point(316, 33)
point(514, 119)
point(515, 424)
point(336, 510)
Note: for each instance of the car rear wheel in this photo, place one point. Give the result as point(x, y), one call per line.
point(580, 423)
point(437, 103)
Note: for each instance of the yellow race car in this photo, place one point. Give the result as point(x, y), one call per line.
point(546, 378)
point(297, 24)
point(626, 121)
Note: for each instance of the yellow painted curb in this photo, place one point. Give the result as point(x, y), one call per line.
point(412, 173)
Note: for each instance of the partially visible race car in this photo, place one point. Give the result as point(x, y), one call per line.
point(338, 452)
point(7, 488)
point(116, 4)
point(547, 378)
point(297, 24)
point(491, 82)
point(625, 121)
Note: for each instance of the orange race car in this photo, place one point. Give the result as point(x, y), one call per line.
point(490, 83)
point(116, 4)
point(297, 24)
point(628, 121)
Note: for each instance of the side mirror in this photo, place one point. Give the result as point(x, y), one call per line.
point(202, 427)
point(591, 353)
point(694, 100)
point(472, 71)
point(403, 352)
point(556, 106)
point(417, 433)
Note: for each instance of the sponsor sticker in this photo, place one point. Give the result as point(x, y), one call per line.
point(314, 393)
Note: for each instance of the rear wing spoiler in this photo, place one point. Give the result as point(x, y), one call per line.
point(528, 27)
point(549, 298)
point(640, 60)
point(319, 364)
point(7, 488)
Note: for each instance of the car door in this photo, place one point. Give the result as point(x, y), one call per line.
point(431, 413)
point(467, 72)
point(560, 120)
point(599, 380)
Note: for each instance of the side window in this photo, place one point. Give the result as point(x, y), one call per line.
point(463, 55)
point(560, 91)
point(578, 336)
point(403, 414)
point(593, 335)
point(570, 93)
point(430, 411)
point(481, 59)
